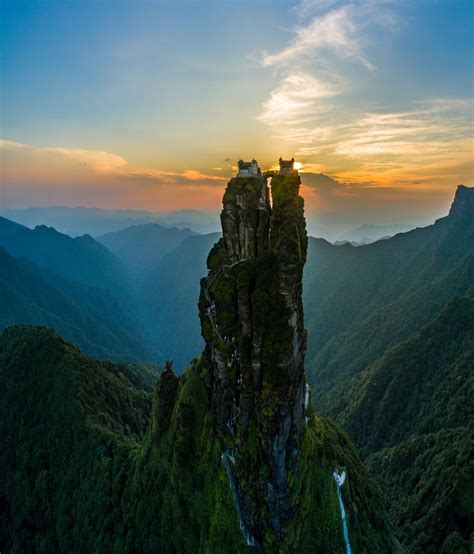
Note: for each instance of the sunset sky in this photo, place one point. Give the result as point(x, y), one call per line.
point(149, 105)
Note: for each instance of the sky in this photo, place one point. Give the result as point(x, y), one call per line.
point(149, 105)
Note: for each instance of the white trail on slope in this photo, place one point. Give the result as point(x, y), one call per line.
point(340, 478)
point(228, 460)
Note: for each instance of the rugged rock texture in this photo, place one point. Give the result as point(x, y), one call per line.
point(252, 321)
point(164, 401)
point(229, 456)
point(463, 203)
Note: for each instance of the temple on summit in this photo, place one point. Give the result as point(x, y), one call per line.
point(248, 169)
point(252, 169)
point(287, 167)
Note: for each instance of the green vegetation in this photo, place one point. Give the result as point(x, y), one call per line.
point(249, 186)
point(288, 223)
point(68, 425)
point(84, 469)
point(103, 457)
point(428, 481)
point(361, 301)
point(319, 527)
point(257, 302)
point(391, 350)
point(91, 317)
point(420, 443)
point(169, 300)
point(422, 385)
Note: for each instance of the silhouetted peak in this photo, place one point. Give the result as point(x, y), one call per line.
point(463, 203)
point(9, 225)
point(44, 229)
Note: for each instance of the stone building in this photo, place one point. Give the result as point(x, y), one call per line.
point(248, 169)
point(287, 167)
point(252, 169)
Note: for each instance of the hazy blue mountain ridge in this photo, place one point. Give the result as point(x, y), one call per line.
point(360, 301)
point(141, 247)
point(91, 317)
point(81, 259)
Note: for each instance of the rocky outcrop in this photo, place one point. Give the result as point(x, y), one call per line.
point(164, 400)
point(463, 203)
point(233, 459)
point(252, 321)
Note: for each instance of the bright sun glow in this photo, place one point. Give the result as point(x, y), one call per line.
point(298, 165)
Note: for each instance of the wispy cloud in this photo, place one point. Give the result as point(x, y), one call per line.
point(311, 7)
point(337, 32)
point(431, 135)
point(296, 99)
point(96, 160)
point(302, 109)
point(193, 175)
point(102, 163)
point(313, 110)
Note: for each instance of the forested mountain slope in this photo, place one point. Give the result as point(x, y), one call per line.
point(82, 259)
point(422, 385)
point(104, 471)
point(361, 301)
point(393, 323)
point(412, 413)
point(232, 458)
point(141, 247)
point(68, 425)
point(89, 316)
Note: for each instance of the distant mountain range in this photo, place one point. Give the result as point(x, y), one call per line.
point(169, 297)
point(361, 301)
point(390, 344)
point(76, 286)
point(141, 247)
point(124, 296)
point(82, 259)
point(91, 317)
point(370, 232)
point(166, 266)
point(362, 242)
point(96, 222)
point(75, 221)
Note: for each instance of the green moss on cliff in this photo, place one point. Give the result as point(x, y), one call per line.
point(203, 492)
point(194, 508)
point(217, 256)
point(242, 185)
point(288, 224)
point(94, 485)
point(227, 447)
point(318, 527)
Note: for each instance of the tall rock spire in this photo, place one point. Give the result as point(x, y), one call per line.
point(252, 321)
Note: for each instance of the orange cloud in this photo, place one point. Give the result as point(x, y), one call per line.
point(193, 175)
point(58, 175)
point(91, 161)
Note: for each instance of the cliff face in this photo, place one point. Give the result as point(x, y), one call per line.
point(252, 321)
point(463, 203)
point(227, 456)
